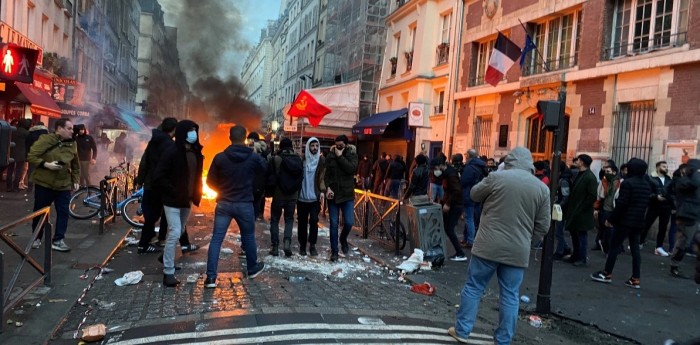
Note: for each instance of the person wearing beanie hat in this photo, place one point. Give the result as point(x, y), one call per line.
point(287, 170)
point(286, 144)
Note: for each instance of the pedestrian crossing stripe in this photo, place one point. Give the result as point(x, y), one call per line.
point(349, 332)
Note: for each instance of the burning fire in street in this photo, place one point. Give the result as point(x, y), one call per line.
point(214, 142)
point(207, 193)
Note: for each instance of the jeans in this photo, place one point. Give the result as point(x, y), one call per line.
point(177, 219)
point(480, 273)
point(618, 237)
point(450, 220)
point(244, 214)
point(436, 192)
point(334, 209)
point(61, 199)
point(685, 233)
point(307, 230)
point(469, 228)
point(392, 188)
point(84, 173)
point(664, 216)
point(579, 242)
point(275, 213)
point(562, 246)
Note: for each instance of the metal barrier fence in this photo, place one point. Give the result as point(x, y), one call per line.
point(379, 218)
point(5, 303)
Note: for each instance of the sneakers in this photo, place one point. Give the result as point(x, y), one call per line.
point(36, 244)
point(676, 272)
point(312, 250)
point(274, 251)
point(148, 250)
point(660, 251)
point(453, 333)
point(602, 277)
point(287, 247)
point(258, 269)
point(189, 248)
point(334, 256)
point(60, 246)
point(633, 283)
point(457, 257)
point(302, 252)
point(210, 283)
point(345, 248)
point(169, 280)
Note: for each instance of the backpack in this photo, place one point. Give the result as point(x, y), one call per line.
point(291, 174)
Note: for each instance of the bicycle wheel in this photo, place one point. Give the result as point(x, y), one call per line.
point(84, 203)
point(132, 212)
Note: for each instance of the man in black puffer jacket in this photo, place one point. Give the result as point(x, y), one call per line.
point(628, 219)
point(687, 191)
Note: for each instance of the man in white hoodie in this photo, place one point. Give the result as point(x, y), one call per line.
point(502, 244)
point(308, 204)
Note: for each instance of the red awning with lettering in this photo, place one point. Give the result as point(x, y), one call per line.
point(41, 102)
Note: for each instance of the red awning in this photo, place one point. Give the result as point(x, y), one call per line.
point(41, 102)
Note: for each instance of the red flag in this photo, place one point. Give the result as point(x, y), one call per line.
point(305, 105)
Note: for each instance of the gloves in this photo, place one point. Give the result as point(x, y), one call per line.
point(53, 166)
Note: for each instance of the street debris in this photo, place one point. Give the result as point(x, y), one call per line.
point(130, 278)
point(58, 300)
point(131, 241)
point(413, 263)
point(423, 289)
point(535, 321)
point(94, 333)
point(366, 259)
point(226, 250)
point(104, 305)
point(192, 278)
point(297, 279)
point(18, 324)
point(525, 299)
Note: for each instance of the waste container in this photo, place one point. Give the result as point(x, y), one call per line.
point(425, 227)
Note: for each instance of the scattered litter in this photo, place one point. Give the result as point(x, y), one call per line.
point(296, 279)
point(11, 234)
point(413, 263)
point(9, 322)
point(227, 250)
point(58, 300)
point(423, 289)
point(359, 278)
point(402, 279)
point(524, 299)
point(355, 249)
point(104, 305)
point(426, 266)
point(336, 271)
point(106, 270)
point(192, 278)
point(129, 278)
point(199, 215)
point(38, 304)
point(366, 259)
point(131, 241)
point(535, 321)
point(94, 332)
point(18, 324)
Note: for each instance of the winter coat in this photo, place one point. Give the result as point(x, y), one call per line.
point(687, 190)
point(172, 174)
point(232, 172)
point(159, 143)
point(364, 168)
point(471, 175)
point(19, 137)
point(453, 188)
point(50, 148)
point(396, 170)
point(579, 212)
point(603, 189)
point(419, 181)
point(87, 148)
point(379, 169)
point(340, 174)
point(34, 134)
point(660, 188)
point(633, 200)
point(274, 166)
point(515, 208)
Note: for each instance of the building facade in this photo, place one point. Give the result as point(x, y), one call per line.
point(256, 74)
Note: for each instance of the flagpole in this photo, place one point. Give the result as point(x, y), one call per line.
point(546, 69)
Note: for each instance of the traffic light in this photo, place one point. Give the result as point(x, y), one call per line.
point(17, 63)
point(6, 143)
point(549, 113)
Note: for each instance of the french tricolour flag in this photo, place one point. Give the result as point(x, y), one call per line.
point(503, 57)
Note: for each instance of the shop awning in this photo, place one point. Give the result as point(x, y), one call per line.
point(377, 123)
point(132, 121)
point(40, 101)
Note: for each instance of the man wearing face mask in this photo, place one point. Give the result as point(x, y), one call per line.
point(659, 207)
point(452, 203)
point(339, 177)
point(178, 177)
point(608, 191)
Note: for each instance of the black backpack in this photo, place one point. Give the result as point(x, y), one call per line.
point(291, 174)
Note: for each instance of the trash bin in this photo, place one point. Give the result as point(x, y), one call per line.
point(425, 226)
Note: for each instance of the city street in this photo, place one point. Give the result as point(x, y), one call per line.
point(311, 300)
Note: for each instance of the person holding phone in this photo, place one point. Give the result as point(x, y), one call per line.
point(341, 165)
point(56, 173)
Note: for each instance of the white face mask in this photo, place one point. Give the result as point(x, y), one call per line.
point(191, 137)
point(437, 173)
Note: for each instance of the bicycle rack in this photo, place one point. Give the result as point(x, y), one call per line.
point(108, 209)
point(5, 303)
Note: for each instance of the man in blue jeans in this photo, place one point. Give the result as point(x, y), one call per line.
point(231, 175)
point(502, 245)
point(341, 164)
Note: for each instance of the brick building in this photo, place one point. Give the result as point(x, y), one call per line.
point(631, 70)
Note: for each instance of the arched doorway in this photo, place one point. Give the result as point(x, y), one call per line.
point(541, 142)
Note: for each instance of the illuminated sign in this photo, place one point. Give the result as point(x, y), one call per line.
point(17, 63)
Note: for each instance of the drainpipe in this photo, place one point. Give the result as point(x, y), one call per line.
point(454, 78)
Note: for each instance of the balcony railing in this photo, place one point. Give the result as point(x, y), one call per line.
point(477, 80)
point(563, 62)
point(645, 45)
point(442, 54)
point(438, 109)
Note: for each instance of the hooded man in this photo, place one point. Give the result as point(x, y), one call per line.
point(627, 218)
point(178, 177)
point(687, 192)
point(452, 203)
point(87, 152)
point(502, 245)
point(232, 175)
point(286, 169)
point(364, 171)
point(308, 205)
point(419, 177)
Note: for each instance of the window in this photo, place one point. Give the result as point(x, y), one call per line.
point(541, 142)
point(558, 42)
point(483, 53)
point(641, 26)
point(632, 130)
point(440, 104)
point(445, 32)
point(397, 45)
point(482, 135)
point(413, 39)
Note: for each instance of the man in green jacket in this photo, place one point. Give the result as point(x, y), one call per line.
point(57, 171)
point(579, 211)
point(341, 165)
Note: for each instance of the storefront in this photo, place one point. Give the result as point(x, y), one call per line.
point(28, 101)
point(385, 132)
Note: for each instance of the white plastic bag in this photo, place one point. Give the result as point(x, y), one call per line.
point(130, 278)
point(413, 262)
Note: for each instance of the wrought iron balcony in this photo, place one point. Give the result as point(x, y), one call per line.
point(563, 62)
point(644, 45)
